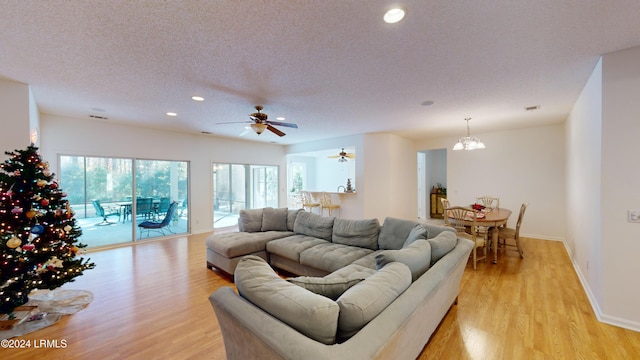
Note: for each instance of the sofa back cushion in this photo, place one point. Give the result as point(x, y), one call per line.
point(328, 287)
point(365, 300)
point(434, 230)
point(250, 220)
point(417, 257)
point(361, 233)
point(291, 218)
point(441, 244)
point(313, 225)
point(274, 219)
point(311, 314)
point(394, 233)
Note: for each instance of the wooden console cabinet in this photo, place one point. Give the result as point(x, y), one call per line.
point(437, 212)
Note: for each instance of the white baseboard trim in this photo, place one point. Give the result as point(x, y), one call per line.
point(604, 318)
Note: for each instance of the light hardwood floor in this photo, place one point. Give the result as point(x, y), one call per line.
point(151, 302)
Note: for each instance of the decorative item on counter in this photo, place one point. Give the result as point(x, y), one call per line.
point(349, 188)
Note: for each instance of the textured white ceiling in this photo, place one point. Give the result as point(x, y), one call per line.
point(333, 67)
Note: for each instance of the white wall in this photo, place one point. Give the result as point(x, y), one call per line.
point(60, 135)
point(524, 165)
point(583, 173)
point(620, 243)
point(390, 182)
point(15, 118)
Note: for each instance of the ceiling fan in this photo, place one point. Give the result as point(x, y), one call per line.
point(259, 123)
point(343, 156)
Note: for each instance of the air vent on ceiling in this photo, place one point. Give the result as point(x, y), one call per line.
point(531, 108)
point(98, 117)
point(205, 132)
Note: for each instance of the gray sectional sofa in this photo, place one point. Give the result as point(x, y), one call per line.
point(364, 291)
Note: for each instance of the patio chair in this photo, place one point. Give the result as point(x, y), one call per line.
point(104, 214)
point(159, 226)
point(144, 207)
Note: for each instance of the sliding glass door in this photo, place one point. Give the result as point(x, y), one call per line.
point(101, 192)
point(241, 186)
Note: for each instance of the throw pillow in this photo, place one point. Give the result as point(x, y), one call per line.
point(442, 244)
point(365, 300)
point(250, 220)
point(418, 232)
point(328, 287)
point(394, 233)
point(311, 314)
point(417, 256)
point(361, 233)
point(314, 225)
point(274, 219)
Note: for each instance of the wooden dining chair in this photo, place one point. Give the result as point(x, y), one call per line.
point(464, 221)
point(489, 201)
point(445, 204)
point(505, 234)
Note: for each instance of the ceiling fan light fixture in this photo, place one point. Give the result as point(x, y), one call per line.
point(394, 15)
point(469, 142)
point(259, 128)
point(342, 159)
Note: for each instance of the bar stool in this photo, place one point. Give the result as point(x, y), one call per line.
point(327, 203)
point(308, 203)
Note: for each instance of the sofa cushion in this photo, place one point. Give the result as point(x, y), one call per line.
point(291, 218)
point(417, 257)
point(442, 244)
point(434, 230)
point(365, 300)
point(394, 233)
point(313, 315)
point(235, 244)
point(329, 287)
point(331, 257)
point(314, 225)
point(418, 232)
point(250, 220)
point(292, 246)
point(274, 219)
point(361, 233)
point(352, 271)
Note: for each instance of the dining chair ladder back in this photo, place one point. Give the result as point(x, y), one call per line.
point(506, 234)
point(489, 201)
point(464, 220)
point(445, 204)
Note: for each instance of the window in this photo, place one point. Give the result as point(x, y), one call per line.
point(100, 190)
point(240, 186)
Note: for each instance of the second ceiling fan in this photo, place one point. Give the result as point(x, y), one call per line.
point(259, 123)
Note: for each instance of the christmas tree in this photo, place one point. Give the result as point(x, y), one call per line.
point(38, 231)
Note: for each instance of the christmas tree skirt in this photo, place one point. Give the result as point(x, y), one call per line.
point(52, 305)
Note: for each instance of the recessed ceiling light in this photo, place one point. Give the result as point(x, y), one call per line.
point(280, 118)
point(197, 98)
point(394, 15)
point(172, 114)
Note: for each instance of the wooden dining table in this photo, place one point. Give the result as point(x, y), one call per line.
point(492, 220)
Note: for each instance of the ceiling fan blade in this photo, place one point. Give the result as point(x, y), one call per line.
point(278, 123)
point(333, 156)
point(275, 131)
point(245, 131)
point(235, 122)
point(350, 156)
